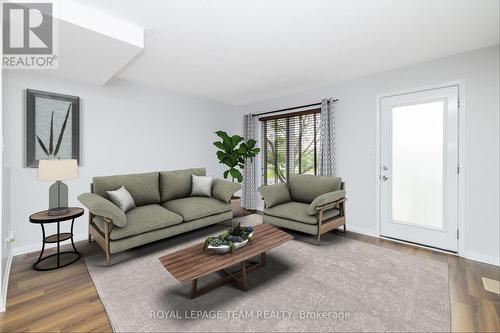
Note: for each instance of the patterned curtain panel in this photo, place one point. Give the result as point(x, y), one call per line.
point(327, 138)
point(248, 189)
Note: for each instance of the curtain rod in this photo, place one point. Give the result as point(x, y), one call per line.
point(289, 109)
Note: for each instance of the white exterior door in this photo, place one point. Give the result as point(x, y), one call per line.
point(419, 167)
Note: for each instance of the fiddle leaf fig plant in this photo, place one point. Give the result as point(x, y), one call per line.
point(233, 152)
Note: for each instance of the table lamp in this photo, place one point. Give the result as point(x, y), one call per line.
point(57, 170)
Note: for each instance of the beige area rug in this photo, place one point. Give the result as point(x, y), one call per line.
point(342, 285)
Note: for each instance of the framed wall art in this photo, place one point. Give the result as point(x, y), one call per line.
point(53, 127)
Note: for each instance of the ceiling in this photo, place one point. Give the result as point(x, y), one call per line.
point(238, 52)
point(89, 45)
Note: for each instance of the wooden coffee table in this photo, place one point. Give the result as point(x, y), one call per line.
point(193, 262)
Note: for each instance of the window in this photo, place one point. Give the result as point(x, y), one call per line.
point(290, 145)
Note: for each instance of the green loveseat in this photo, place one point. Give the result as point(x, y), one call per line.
point(310, 204)
point(164, 208)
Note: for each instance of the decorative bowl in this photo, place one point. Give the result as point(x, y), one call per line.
point(223, 249)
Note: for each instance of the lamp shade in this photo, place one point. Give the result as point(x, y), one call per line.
point(53, 170)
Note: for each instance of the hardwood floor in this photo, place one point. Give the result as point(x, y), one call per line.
point(473, 309)
point(66, 300)
point(63, 300)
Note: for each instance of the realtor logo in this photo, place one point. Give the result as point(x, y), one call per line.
point(28, 30)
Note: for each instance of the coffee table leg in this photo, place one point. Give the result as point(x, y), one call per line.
point(240, 277)
point(194, 285)
point(243, 275)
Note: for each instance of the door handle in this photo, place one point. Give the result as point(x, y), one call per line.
point(385, 178)
point(385, 167)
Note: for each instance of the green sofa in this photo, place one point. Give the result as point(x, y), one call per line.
point(164, 208)
point(307, 203)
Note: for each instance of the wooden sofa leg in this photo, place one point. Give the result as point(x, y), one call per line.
point(320, 223)
point(91, 217)
point(342, 211)
point(106, 241)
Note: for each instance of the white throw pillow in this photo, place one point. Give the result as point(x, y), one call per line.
point(202, 186)
point(122, 198)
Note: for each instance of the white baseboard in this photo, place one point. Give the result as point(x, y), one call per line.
point(5, 284)
point(36, 247)
point(485, 258)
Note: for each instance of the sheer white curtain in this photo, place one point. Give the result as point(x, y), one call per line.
point(248, 189)
point(327, 138)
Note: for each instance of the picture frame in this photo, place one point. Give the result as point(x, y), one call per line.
point(52, 126)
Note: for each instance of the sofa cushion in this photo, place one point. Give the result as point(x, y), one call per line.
point(197, 207)
point(297, 211)
point(223, 189)
point(289, 224)
point(142, 219)
point(142, 186)
point(177, 184)
point(275, 194)
point(306, 188)
point(151, 236)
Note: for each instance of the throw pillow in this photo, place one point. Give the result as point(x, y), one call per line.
point(122, 198)
point(223, 190)
point(202, 186)
point(275, 194)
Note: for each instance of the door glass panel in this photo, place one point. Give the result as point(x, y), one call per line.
point(417, 164)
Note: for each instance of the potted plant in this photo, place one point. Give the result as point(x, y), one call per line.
point(233, 152)
point(234, 238)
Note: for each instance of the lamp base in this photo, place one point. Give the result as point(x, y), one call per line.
point(58, 211)
point(58, 199)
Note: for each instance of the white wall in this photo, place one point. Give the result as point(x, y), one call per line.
point(125, 128)
point(131, 128)
point(356, 127)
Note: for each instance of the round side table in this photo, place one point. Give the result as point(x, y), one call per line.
point(43, 218)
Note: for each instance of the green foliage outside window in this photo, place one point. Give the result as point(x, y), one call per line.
point(291, 144)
